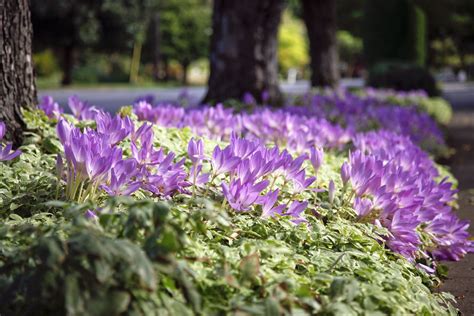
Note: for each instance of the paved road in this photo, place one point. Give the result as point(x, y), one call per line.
point(460, 134)
point(460, 95)
point(113, 98)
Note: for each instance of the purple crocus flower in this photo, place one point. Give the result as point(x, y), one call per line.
point(249, 99)
point(123, 178)
point(345, 173)
point(295, 210)
point(242, 195)
point(6, 152)
point(331, 191)
point(316, 157)
point(362, 206)
point(49, 107)
point(197, 177)
point(90, 215)
point(144, 153)
point(81, 109)
point(89, 157)
point(268, 204)
point(196, 151)
point(116, 128)
point(364, 173)
point(404, 238)
point(300, 182)
point(223, 160)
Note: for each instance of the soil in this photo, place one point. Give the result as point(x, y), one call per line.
point(460, 281)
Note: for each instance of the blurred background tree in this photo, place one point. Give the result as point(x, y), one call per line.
point(244, 50)
point(292, 45)
point(145, 41)
point(185, 27)
point(320, 21)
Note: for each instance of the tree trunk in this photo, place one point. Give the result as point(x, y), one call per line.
point(320, 20)
point(17, 84)
point(166, 66)
point(68, 64)
point(244, 46)
point(185, 68)
point(155, 29)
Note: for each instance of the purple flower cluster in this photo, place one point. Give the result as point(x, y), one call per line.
point(395, 186)
point(95, 160)
point(330, 120)
point(50, 108)
point(6, 152)
point(393, 183)
point(253, 170)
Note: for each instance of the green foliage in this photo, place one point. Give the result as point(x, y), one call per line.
point(89, 269)
point(185, 27)
point(349, 46)
point(292, 44)
point(394, 30)
point(419, 35)
point(102, 68)
point(437, 107)
point(193, 255)
point(45, 63)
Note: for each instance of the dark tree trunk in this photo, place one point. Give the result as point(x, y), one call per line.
point(68, 64)
point(155, 29)
point(185, 68)
point(320, 20)
point(17, 84)
point(244, 45)
point(166, 66)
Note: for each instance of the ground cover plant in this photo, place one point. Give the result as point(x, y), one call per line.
point(331, 205)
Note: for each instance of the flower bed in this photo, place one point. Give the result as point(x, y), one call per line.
point(329, 205)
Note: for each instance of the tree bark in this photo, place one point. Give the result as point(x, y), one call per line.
point(17, 84)
point(185, 68)
point(320, 20)
point(243, 55)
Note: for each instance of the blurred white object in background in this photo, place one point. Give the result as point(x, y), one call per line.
point(462, 76)
point(292, 75)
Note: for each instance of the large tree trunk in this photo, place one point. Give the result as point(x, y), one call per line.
point(17, 85)
point(320, 20)
point(244, 45)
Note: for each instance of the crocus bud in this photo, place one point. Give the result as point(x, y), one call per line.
point(91, 215)
point(195, 150)
point(345, 172)
point(2, 130)
point(362, 206)
point(316, 158)
point(331, 191)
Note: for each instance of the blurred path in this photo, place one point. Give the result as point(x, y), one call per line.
point(461, 95)
point(113, 98)
point(460, 280)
